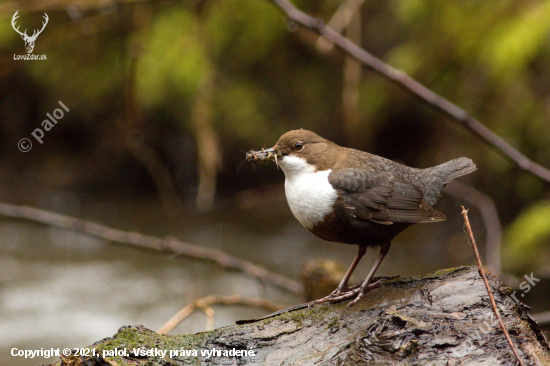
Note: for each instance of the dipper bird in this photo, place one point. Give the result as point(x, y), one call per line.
point(350, 196)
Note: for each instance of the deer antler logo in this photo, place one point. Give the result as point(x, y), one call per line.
point(29, 41)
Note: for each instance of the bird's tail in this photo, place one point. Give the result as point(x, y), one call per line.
point(454, 169)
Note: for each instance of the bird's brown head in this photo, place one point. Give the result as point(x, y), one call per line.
point(297, 147)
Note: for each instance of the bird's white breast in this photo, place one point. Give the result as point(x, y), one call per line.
point(308, 192)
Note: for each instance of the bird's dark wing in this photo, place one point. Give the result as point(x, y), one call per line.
point(381, 197)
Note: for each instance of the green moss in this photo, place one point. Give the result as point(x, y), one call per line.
point(296, 317)
point(333, 323)
point(131, 337)
point(314, 314)
point(446, 271)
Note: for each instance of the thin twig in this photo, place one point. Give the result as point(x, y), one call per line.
point(205, 304)
point(169, 244)
point(405, 81)
point(482, 273)
point(339, 21)
point(210, 314)
point(489, 213)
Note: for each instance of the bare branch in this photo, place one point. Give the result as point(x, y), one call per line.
point(339, 21)
point(205, 304)
point(169, 244)
point(403, 80)
point(482, 273)
point(490, 217)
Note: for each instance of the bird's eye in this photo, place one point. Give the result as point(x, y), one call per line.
point(298, 146)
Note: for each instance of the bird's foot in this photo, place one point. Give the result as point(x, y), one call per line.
point(337, 294)
point(344, 293)
point(357, 298)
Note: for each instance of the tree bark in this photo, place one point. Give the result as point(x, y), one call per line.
point(444, 318)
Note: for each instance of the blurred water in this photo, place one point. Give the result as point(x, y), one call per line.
point(65, 289)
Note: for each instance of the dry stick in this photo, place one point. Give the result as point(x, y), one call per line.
point(169, 244)
point(482, 274)
point(205, 304)
point(419, 90)
point(489, 213)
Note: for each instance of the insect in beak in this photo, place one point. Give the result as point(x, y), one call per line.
point(262, 156)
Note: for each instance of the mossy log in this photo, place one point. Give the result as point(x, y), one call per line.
point(444, 318)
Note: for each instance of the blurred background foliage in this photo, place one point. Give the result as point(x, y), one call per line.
point(160, 91)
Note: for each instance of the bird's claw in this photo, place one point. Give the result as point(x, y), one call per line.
point(345, 293)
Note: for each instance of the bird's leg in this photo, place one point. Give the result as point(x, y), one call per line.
point(342, 287)
point(343, 284)
point(384, 249)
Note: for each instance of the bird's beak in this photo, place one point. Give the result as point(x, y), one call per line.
point(264, 155)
